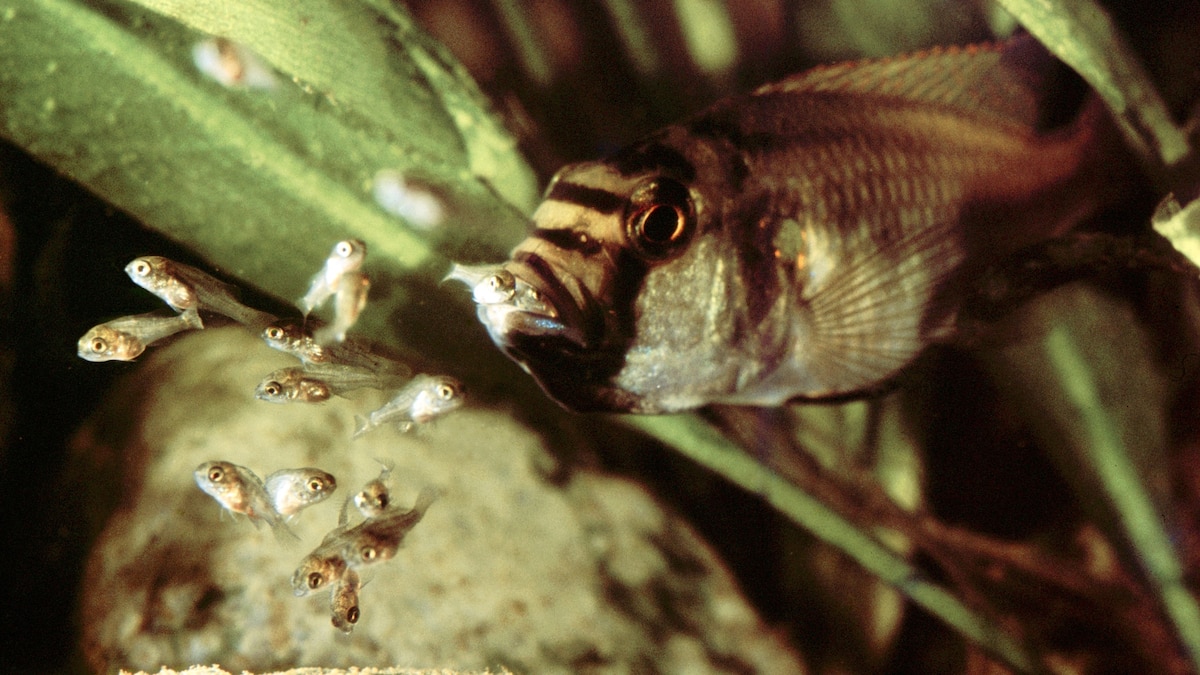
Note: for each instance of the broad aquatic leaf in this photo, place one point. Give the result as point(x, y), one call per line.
point(262, 182)
point(1082, 34)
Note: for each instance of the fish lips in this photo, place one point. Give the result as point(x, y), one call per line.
point(577, 378)
point(560, 340)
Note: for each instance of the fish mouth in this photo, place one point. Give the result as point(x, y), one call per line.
point(544, 305)
point(555, 329)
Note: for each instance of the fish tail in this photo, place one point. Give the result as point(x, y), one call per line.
point(284, 534)
point(191, 316)
point(361, 426)
point(426, 498)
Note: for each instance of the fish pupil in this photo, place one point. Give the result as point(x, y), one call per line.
point(314, 580)
point(352, 614)
point(661, 224)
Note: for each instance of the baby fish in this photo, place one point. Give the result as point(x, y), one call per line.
point(494, 286)
point(293, 339)
point(158, 275)
point(323, 566)
point(375, 497)
point(316, 383)
point(232, 64)
point(376, 539)
point(125, 339)
point(421, 400)
point(291, 490)
point(343, 601)
point(347, 256)
point(238, 490)
point(348, 303)
point(805, 241)
point(419, 206)
point(186, 288)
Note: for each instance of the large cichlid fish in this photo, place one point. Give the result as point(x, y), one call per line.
point(805, 241)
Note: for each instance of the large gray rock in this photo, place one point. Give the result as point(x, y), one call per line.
point(506, 569)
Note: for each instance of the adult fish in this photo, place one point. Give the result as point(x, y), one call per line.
point(805, 241)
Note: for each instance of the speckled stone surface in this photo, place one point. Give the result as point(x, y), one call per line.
point(507, 570)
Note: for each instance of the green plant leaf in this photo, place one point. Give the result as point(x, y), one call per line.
point(262, 183)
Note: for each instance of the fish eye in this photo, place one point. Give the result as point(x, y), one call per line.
point(445, 392)
point(272, 388)
point(383, 501)
point(215, 474)
point(368, 552)
point(315, 580)
point(99, 345)
point(352, 614)
point(660, 217)
point(660, 224)
point(344, 249)
point(274, 332)
point(316, 485)
point(141, 268)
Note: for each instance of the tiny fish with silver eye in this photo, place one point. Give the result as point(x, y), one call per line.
point(348, 303)
point(343, 601)
point(126, 338)
point(376, 539)
point(346, 257)
point(320, 568)
point(238, 490)
point(233, 64)
point(292, 338)
point(292, 490)
point(423, 399)
point(187, 289)
point(314, 384)
point(375, 497)
point(324, 565)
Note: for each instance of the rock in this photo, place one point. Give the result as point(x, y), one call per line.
point(506, 570)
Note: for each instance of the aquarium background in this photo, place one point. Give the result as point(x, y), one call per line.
point(124, 161)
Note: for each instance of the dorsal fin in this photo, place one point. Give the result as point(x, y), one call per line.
point(1009, 81)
